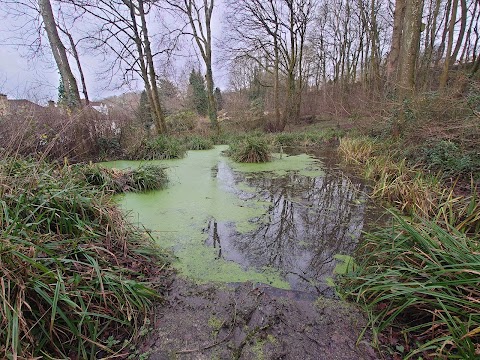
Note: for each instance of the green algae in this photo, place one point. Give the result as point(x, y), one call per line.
point(281, 164)
point(344, 265)
point(220, 217)
point(178, 215)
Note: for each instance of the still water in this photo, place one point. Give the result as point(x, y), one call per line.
point(289, 223)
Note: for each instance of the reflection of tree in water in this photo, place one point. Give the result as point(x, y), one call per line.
point(308, 222)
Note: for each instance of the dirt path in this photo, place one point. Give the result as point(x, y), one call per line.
point(251, 322)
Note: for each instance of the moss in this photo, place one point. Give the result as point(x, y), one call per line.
point(215, 324)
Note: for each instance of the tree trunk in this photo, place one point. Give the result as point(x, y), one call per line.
point(203, 38)
point(160, 118)
point(375, 62)
point(79, 66)
point(212, 106)
point(408, 56)
point(446, 65)
point(466, 46)
point(431, 32)
point(463, 26)
point(152, 95)
point(441, 47)
point(276, 69)
point(290, 112)
point(393, 61)
point(60, 55)
point(476, 66)
point(410, 47)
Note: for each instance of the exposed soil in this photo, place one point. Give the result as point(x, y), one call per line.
point(248, 321)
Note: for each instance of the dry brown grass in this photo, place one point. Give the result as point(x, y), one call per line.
point(55, 134)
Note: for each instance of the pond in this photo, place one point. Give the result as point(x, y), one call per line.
point(290, 223)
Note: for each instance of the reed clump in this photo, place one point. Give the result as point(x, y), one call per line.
point(251, 149)
point(75, 274)
point(145, 177)
point(197, 142)
point(159, 148)
point(409, 188)
point(420, 276)
point(425, 280)
point(357, 150)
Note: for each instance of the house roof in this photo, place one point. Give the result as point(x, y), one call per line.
point(22, 104)
point(93, 103)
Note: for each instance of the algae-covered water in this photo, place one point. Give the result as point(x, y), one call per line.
point(283, 223)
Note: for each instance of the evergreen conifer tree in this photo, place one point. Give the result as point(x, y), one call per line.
point(199, 98)
point(144, 111)
point(218, 98)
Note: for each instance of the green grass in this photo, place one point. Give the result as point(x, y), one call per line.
point(421, 277)
point(196, 142)
point(426, 280)
point(160, 148)
point(145, 177)
point(251, 149)
point(410, 189)
point(74, 272)
point(306, 138)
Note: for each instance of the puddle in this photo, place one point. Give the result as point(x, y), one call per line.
point(283, 223)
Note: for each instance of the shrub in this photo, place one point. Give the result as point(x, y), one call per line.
point(448, 157)
point(181, 121)
point(288, 139)
point(222, 138)
point(74, 277)
point(252, 149)
point(109, 147)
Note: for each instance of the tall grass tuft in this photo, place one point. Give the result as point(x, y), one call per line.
point(357, 150)
point(306, 138)
point(410, 189)
point(426, 279)
point(74, 280)
point(197, 142)
point(252, 149)
point(145, 177)
point(159, 148)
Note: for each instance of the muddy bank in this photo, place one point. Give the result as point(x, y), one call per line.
point(246, 321)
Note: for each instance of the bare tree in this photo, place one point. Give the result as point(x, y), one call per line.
point(59, 54)
point(277, 31)
point(198, 14)
point(120, 28)
point(451, 29)
point(73, 48)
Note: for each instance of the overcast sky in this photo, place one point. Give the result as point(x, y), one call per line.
point(36, 78)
